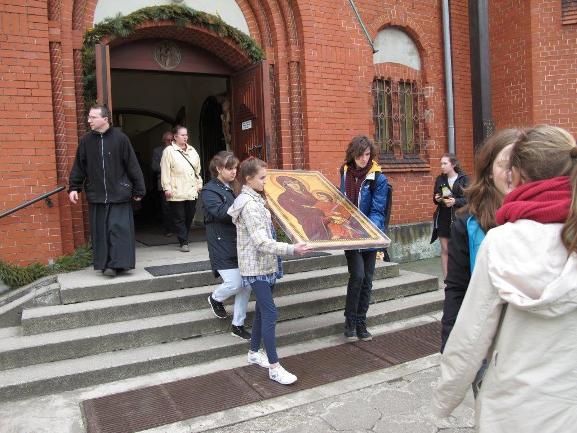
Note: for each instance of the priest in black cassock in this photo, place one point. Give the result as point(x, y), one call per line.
point(107, 170)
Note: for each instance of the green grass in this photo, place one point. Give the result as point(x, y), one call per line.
point(15, 276)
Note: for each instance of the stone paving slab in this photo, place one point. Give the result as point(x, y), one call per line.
point(397, 406)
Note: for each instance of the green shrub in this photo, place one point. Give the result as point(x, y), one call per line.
point(15, 276)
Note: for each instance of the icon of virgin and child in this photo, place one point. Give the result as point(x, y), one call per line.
point(321, 215)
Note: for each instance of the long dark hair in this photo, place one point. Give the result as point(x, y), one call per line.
point(483, 197)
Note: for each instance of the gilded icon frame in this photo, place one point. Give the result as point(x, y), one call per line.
point(311, 209)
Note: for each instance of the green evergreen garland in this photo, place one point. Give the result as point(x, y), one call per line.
point(123, 26)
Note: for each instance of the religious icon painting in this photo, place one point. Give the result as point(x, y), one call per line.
point(310, 209)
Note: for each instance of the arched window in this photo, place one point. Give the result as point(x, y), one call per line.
point(393, 45)
point(398, 103)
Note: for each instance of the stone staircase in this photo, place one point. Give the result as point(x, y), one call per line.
point(126, 328)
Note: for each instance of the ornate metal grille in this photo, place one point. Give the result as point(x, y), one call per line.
point(569, 11)
point(398, 113)
point(383, 115)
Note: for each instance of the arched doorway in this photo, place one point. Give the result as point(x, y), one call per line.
point(210, 127)
point(187, 72)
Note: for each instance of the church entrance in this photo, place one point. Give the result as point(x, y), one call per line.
point(153, 84)
point(147, 104)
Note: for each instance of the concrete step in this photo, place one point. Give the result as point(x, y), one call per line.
point(70, 374)
point(79, 342)
point(127, 285)
point(89, 313)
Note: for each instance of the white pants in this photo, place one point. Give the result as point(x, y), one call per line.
point(232, 285)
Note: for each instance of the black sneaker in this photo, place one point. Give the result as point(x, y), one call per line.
point(350, 331)
point(239, 331)
point(217, 308)
point(362, 332)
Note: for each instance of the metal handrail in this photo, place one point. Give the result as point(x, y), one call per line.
point(45, 196)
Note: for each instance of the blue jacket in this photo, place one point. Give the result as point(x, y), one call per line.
point(372, 201)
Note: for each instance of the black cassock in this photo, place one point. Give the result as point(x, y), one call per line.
point(112, 234)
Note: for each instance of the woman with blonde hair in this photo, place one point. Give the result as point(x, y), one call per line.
point(520, 310)
point(181, 182)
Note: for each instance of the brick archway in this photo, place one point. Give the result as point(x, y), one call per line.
point(225, 49)
point(274, 24)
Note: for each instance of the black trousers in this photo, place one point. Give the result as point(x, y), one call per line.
point(112, 235)
point(451, 307)
point(165, 213)
point(361, 266)
point(182, 216)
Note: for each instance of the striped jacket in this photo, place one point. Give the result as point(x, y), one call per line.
point(257, 250)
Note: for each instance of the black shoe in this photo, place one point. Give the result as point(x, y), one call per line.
point(109, 272)
point(239, 331)
point(362, 332)
point(217, 308)
point(350, 331)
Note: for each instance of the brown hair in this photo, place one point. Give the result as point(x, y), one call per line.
point(223, 159)
point(544, 152)
point(248, 168)
point(167, 136)
point(454, 162)
point(177, 128)
point(483, 197)
point(357, 147)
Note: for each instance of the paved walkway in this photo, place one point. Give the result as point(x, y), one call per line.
point(392, 400)
point(399, 405)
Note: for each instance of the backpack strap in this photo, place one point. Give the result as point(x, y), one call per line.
point(476, 235)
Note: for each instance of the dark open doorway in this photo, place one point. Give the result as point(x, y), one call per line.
point(211, 134)
point(149, 103)
point(136, 84)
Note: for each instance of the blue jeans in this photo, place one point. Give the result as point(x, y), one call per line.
point(232, 285)
point(361, 266)
point(264, 324)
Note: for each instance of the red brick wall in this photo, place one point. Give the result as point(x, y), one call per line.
point(554, 66)
point(323, 66)
point(511, 62)
point(27, 151)
point(534, 64)
point(338, 75)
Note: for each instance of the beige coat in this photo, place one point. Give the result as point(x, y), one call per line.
point(177, 175)
point(257, 250)
point(531, 383)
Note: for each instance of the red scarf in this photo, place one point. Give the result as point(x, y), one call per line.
point(545, 201)
point(353, 181)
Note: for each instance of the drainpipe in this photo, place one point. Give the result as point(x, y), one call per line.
point(363, 25)
point(448, 76)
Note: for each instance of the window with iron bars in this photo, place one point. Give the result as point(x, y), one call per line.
point(398, 118)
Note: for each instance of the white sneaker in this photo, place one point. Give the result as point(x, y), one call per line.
point(281, 376)
point(258, 358)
